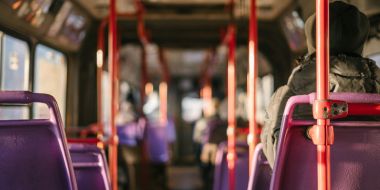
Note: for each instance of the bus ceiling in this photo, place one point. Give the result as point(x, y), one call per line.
point(211, 9)
point(197, 23)
point(188, 9)
point(66, 23)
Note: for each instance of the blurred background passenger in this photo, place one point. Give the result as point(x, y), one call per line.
point(129, 172)
point(209, 132)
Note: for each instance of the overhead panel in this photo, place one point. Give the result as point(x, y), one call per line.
point(99, 8)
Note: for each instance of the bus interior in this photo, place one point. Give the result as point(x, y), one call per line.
point(134, 79)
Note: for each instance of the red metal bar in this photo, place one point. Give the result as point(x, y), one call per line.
point(206, 90)
point(207, 96)
point(163, 88)
point(163, 92)
point(164, 65)
point(322, 66)
point(112, 64)
point(231, 93)
point(208, 66)
point(363, 109)
point(253, 137)
point(141, 31)
point(99, 77)
point(85, 141)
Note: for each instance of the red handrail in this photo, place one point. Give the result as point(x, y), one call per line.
point(231, 93)
point(360, 109)
point(84, 141)
point(206, 90)
point(163, 87)
point(324, 136)
point(99, 77)
point(113, 70)
point(253, 137)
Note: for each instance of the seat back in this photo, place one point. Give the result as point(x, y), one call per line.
point(355, 153)
point(90, 167)
point(241, 167)
point(261, 171)
point(34, 153)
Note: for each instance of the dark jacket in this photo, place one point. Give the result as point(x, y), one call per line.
point(347, 74)
point(217, 130)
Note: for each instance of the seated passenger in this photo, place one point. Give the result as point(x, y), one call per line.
point(349, 71)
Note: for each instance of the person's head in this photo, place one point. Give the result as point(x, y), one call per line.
point(349, 29)
point(211, 107)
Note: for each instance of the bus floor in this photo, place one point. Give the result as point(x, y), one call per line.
point(184, 178)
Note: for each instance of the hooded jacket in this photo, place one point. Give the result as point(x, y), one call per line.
point(349, 71)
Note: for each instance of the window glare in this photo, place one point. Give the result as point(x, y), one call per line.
point(15, 64)
point(50, 76)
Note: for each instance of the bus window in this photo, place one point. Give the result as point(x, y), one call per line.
point(192, 108)
point(50, 76)
point(293, 27)
point(264, 94)
point(14, 73)
point(15, 64)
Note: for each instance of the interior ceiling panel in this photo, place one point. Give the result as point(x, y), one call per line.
point(186, 2)
point(267, 9)
point(99, 8)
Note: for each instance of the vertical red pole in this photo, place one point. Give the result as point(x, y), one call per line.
point(206, 91)
point(207, 96)
point(163, 88)
point(253, 137)
point(163, 91)
point(99, 77)
point(231, 87)
point(323, 58)
point(112, 64)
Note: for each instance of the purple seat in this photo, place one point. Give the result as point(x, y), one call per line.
point(355, 153)
point(241, 168)
point(90, 167)
point(34, 153)
point(157, 143)
point(261, 171)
